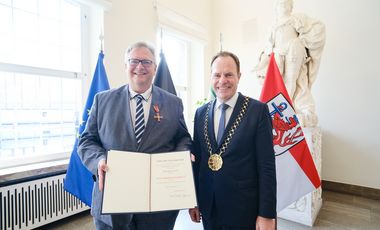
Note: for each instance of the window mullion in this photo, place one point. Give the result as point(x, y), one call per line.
point(7, 67)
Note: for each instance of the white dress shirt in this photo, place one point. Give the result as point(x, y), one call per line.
point(217, 111)
point(147, 95)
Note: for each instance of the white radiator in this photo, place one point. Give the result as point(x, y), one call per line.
point(35, 203)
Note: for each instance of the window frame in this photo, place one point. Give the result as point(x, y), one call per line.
point(85, 11)
point(194, 71)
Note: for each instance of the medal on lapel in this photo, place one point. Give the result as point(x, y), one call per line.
point(158, 117)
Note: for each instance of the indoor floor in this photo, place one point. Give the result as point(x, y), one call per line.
point(339, 212)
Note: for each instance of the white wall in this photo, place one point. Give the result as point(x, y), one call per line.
point(126, 22)
point(129, 21)
point(345, 89)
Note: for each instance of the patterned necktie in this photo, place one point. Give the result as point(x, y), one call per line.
point(222, 122)
point(139, 122)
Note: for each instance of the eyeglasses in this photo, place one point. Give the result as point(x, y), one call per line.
point(135, 62)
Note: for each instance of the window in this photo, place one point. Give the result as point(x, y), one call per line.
point(41, 33)
point(177, 56)
point(184, 56)
point(40, 87)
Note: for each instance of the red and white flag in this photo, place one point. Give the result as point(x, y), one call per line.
point(295, 168)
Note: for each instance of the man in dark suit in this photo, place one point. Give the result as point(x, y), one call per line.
point(137, 117)
point(234, 166)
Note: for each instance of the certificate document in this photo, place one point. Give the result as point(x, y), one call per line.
point(141, 182)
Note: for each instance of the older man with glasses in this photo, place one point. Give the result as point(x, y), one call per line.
point(126, 119)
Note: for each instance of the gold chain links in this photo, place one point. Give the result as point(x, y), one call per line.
point(230, 133)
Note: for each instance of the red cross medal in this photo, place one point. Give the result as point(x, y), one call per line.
point(157, 111)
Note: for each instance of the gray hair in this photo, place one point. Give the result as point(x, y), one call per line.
point(139, 44)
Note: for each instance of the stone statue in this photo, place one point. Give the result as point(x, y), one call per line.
point(297, 42)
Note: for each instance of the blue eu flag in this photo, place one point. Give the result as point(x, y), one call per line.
point(163, 78)
point(78, 179)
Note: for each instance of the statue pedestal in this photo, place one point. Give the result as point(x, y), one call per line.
point(306, 209)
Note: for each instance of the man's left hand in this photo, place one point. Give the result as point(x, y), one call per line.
point(263, 223)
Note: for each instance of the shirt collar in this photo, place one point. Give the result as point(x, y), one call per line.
point(145, 95)
point(231, 102)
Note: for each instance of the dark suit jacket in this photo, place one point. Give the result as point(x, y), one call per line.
point(245, 186)
point(109, 126)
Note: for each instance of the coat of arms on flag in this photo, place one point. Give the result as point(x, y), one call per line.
point(295, 169)
point(287, 130)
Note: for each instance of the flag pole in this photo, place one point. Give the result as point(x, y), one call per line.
point(101, 38)
point(163, 78)
point(161, 41)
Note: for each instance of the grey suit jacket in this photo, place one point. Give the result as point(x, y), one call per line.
point(109, 127)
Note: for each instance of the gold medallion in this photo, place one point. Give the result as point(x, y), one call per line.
point(215, 162)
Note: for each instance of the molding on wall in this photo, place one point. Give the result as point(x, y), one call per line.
point(167, 16)
point(356, 190)
point(106, 5)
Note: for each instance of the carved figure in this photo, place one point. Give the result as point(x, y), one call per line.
point(297, 42)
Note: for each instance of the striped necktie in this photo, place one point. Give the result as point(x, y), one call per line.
point(222, 122)
point(139, 122)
